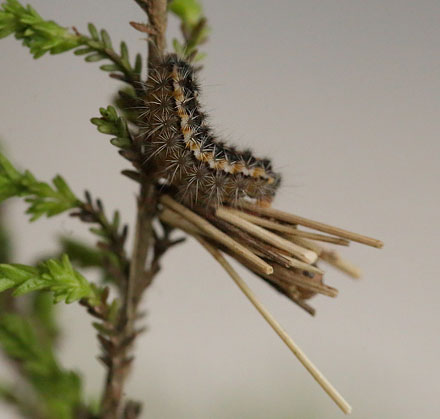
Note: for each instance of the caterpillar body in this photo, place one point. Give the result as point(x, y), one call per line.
point(186, 154)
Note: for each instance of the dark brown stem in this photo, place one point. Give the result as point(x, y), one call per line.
point(156, 11)
point(117, 348)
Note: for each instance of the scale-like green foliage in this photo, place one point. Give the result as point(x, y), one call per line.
point(58, 389)
point(57, 276)
point(39, 35)
point(82, 254)
point(42, 36)
point(189, 11)
point(43, 198)
point(193, 24)
point(99, 46)
point(43, 314)
point(113, 124)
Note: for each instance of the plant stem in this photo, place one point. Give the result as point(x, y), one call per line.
point(119, 359)
point(139, 277)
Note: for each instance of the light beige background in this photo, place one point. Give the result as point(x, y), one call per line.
point(344, 95)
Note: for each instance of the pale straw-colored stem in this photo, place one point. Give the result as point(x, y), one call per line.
point(320, 237)
point(176, 220)
point(288, 229)
point(301, 253)
point(316, 225)
point(334, 259)
point(295, 263)
point(301, 356)
point(308, 244)
point(218, 235)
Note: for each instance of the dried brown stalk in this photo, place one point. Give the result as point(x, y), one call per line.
point(176, 220)
point(292, 276)
point(291, 282)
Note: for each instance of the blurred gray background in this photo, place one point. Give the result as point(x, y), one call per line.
point(345, 97)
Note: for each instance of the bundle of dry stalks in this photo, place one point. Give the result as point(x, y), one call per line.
point(273, 245)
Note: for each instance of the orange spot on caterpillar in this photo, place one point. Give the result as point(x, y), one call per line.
point(238, 168)
point(206, 157)
point(193, 145)
point(270, 180)
point(258, 172)
point(186, 130)
point(264, 203)
point(219, 164)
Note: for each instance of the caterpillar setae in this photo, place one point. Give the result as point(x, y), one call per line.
point(187, 156)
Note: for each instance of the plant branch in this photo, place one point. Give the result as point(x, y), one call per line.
point(98, 46)
point(112, 236)
point(144, 238)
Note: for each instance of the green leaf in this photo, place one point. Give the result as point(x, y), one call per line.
point(81, 254)
point(124, 53)
point(8, 169)
point(83, 51)
point(138, 64)
point(43, 314)
point(85, 256)
point(106, 39)
point(59, 390)
point(109, 67)
point(43, 198)
point(178, 47)
point(113, 124)
point(121, 142)
point(189, 11)
point(194, 27)
point(39, 35)
point(19, 342)
point(56, 276)
point(200, 57)
point(93, 31)
point(96, 56)
point(42, 36)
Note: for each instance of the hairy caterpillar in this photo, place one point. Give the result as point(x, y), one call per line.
point(187, 155)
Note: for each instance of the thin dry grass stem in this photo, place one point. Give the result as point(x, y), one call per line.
point(264, 250)
point(308, 244)
point(301, 303)
point(314, 285)
point(218, 235)
point(288, 229)
point(320, 237)
point(291, 257)
point(316, 225)
point(176, 220)
point(301, 253)
point(290, 262)
point(334, 259)
point(300, 355)
point(295, 263)
point(287, 279)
